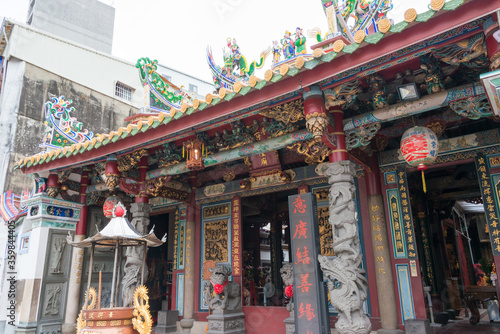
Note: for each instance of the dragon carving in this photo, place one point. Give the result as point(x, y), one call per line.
point(346, 282)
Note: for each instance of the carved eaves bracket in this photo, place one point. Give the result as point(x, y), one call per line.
point(362, 135)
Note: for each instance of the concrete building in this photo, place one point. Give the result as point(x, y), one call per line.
point(37, 66)
point(89, 22)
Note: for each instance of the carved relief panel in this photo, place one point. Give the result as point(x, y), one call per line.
point(55, 281)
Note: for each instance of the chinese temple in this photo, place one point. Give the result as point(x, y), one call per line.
point(354, 184)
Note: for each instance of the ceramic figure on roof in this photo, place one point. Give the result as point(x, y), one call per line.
point(346, 17)
point(288, 45)
point(235, 66)
point(276, 52)
point(61, 128)
point(300, 42)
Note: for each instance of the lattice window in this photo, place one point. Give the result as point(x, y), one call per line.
point(123, 91)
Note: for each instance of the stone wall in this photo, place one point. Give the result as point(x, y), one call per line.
point(99, 113)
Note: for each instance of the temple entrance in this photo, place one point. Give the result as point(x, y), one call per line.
point(453, 240)
point(266, 240)
point(159, 262)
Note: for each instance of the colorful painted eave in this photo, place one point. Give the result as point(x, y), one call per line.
point(305, 73)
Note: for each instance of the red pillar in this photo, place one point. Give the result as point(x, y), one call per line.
point(340, 152)
point(53, 185)
point(81, 226)
point(143, 167)
point(492, 44)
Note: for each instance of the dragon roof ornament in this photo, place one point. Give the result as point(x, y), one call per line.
point(61, 129)
point(163, 95)
point(236, 68)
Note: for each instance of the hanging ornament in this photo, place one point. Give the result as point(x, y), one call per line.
point(109, 205)
point(419, 147)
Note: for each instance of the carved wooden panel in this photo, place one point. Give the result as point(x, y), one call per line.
point(216, 241)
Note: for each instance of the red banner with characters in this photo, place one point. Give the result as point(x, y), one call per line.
point(311, 315)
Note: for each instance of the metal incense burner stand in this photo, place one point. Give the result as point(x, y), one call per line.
point(117, 234)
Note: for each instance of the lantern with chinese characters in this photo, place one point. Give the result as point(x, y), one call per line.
point(419, 147)
point(109, 205)
point(194, 149)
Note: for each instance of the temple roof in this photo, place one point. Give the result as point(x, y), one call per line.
point(305, 72)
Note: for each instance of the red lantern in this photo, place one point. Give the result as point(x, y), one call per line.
point(419, 147)
point(109, 205)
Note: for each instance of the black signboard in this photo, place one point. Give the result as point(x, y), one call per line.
point(311, 315)
point(483, 173)
point(406, 216)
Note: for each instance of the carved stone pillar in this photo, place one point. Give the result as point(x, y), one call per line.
point(75, 280)
point(380, 246)
point(135, 255)
point(189, 278)
point(348, 285)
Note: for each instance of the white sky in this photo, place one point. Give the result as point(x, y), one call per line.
point(176, 33)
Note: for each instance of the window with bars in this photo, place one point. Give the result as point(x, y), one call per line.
point(123, 91)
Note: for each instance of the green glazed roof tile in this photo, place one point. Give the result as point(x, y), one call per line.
point(327, 57)
point(398, 27)
point(155, 124)
point(351, 48)
point(276, 77)
point(453, 4)
point(374, 38)
point(229, 96)
point(261, 84)
point(311, 63)
point(245, 90)
point(291, 72)
point(424, 17)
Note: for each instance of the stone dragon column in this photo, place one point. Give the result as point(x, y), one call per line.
point(347, 284)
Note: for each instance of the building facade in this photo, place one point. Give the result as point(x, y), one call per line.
point(221, 175)
point(32, 75)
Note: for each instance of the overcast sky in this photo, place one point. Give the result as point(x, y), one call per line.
point(176, 33)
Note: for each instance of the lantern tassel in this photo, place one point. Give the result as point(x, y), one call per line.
point(423, 182)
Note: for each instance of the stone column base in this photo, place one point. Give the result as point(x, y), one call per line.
point(68, 329)
point(186, 325)
point(167, 322)
point(290, 325)
point(227, 322)
point(390, 331)
point(421, 326)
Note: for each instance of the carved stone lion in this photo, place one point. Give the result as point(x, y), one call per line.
point(220, 293)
